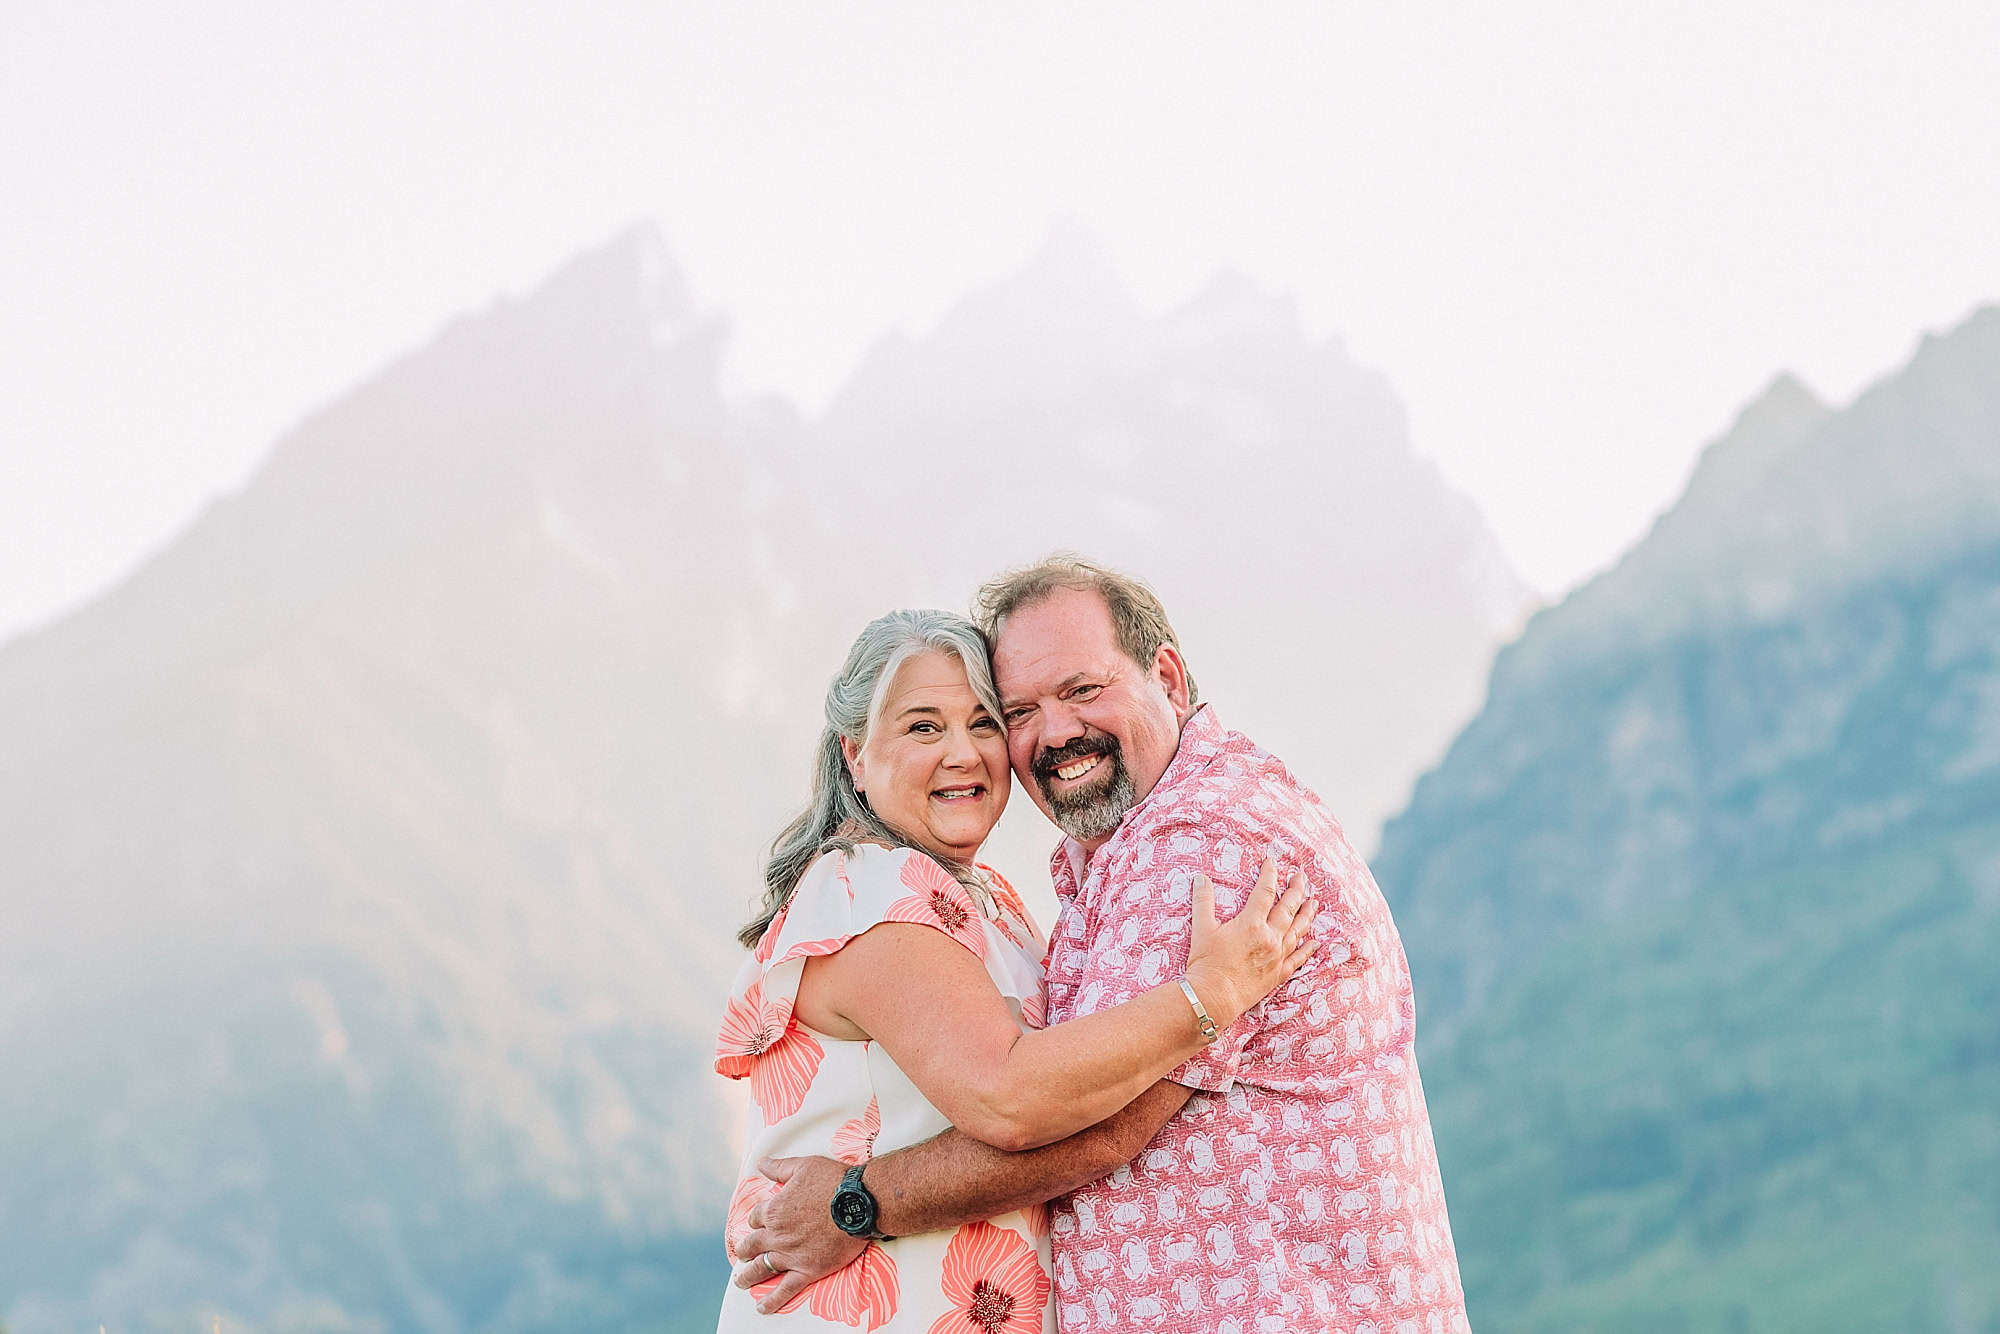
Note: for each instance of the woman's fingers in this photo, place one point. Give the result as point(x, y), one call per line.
point(1266, 890)
point(1300, 953)
point(1298, 890)
point(1204, 904)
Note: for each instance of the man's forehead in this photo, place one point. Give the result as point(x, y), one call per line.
point(1064, 618)
point(1034, 654)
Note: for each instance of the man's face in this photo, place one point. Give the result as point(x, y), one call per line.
point(1089, 731)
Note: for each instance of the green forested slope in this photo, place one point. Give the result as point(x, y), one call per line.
point(1704, 907)
point(1778, 1112)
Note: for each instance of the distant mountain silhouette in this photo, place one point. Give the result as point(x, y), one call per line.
point(372, 855)
point(1335, 595)
point(1703, 906)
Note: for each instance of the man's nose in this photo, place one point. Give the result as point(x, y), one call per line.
point(1061, 725)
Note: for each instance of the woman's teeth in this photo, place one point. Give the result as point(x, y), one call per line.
point(1069, 773)
point(957, 793)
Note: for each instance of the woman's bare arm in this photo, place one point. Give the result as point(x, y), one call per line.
point(932, 1006)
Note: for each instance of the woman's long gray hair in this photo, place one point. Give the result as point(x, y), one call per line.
point(839, 816)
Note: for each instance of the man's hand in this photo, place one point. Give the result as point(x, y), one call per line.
point(794, 1228)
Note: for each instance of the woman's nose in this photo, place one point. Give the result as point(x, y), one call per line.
point(960, 753)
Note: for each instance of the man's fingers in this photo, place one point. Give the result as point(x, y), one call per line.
point(778, 1298)
point(779, 1170)
point(750, 1248)
point(752, 1270)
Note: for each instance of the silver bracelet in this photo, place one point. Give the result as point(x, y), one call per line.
point(1209, 1032)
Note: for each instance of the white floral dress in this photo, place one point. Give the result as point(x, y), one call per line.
point(815, 1094)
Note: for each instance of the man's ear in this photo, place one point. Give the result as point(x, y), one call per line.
point(852, 753)
point(1171, 673)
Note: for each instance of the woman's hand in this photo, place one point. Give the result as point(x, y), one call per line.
point(1233, 966)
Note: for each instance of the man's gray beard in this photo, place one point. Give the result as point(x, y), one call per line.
point(1088, 816)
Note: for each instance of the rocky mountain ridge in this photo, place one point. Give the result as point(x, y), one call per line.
point(374, 852)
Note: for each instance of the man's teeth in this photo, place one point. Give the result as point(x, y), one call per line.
point(1071, 772)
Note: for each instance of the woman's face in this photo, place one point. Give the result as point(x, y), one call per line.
point(934, 767)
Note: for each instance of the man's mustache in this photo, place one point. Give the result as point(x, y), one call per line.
point(1049, 761)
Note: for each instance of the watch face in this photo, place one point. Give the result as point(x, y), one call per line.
point(853, 1211)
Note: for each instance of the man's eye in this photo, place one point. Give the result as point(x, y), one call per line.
point(1015, 717)
point(1084, 692)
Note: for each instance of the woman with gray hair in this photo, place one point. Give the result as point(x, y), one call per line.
point(895, 990)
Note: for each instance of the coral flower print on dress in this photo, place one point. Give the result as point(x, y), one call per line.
point(761, 1041)
point(1010, 898)
point(994, 1283)
point(808, 949)
point(768, 942)
point(862, 1292)
point(940, 901)
point(854, 1142)
point(817, 1094)
point(1013, 909)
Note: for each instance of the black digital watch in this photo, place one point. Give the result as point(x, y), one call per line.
point(854, 1207)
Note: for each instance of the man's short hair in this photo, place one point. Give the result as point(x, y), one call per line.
point(1137, 617)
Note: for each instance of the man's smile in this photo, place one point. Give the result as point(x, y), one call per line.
point(1069, 773)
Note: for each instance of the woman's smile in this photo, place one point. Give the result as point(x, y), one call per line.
point(934, 765)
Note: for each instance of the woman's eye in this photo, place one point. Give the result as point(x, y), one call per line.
point(923, 727)
point(986, 723)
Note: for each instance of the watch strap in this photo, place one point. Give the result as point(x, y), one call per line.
point(851, 1184)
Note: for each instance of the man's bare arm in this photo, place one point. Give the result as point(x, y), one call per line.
point(959, 1180)
point(940, 1183)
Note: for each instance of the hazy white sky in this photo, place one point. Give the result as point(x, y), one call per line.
point(1575, 237)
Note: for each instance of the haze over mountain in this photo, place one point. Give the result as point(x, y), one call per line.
point(1703, 906)
point(373, 853)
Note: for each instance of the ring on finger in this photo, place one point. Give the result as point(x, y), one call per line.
point(770, 1265)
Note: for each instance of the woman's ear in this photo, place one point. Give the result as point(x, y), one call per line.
point(854, 768)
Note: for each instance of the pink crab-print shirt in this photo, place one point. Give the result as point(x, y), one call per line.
point(1298, 1189)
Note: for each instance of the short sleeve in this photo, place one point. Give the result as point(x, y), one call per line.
point(841, 895)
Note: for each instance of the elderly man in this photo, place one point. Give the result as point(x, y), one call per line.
point(1285, 1178)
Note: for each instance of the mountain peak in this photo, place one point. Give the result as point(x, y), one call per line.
point(1232, 305)
point(1070, 255)
point(630, 277)
point(1763, 436)
point(1787, 398)
point(1069, 289)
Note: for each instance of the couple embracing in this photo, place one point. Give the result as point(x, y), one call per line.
point(1147, 1120)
